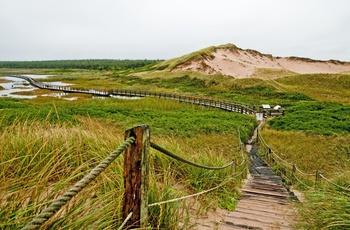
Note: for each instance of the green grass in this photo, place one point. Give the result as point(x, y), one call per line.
point(330, 210)
point(164, 116)
point(328, 154)
point(47, 145)
point(324, 87)
point(316, 118)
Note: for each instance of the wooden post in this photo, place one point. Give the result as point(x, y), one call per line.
point(136, 168)
point(234, 167)
point(294, 170)
point(317, 178)
point(269, 155)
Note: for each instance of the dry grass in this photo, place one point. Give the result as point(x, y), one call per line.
point(323, 87)
point(267, 74)
point(328, 154)
point(40, 161)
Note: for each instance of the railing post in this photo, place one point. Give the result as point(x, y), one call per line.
point(317, 178)
point(294, 170)
point(234, 167)
point(136, 168)
point(269, 157)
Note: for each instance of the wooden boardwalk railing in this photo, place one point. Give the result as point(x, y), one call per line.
point(221, 104)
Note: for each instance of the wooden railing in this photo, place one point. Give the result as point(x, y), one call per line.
point(289, 171)
point(221, 104)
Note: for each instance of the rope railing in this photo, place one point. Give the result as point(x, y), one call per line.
point(331, 182)
point(317, 175)
point(284, 161)
point(241, 148)
point(125, 221)
point(301, 172)
point(192, 195)
point(302, 183)
point(53, 208)
point(170, 154)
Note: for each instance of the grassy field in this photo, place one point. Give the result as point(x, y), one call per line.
point(48, 144)
point(323, 87)
point(54, 142)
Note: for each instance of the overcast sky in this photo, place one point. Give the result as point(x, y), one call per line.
point(163, 29)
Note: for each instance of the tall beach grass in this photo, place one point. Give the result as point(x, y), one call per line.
point(40, 160)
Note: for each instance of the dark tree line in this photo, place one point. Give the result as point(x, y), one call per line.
point(96, 64)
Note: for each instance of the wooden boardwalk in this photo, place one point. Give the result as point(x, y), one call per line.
point(220, 104)
point(264, 203)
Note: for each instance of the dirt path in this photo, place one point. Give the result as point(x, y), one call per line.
point(264, 203)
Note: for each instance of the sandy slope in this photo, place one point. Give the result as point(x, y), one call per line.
point(241, 63)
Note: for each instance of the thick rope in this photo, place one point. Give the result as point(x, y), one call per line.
point(125, 221)
point(243, 161)
point(301, 182)
point(297, 169)
point(75, 189)
point(302, 173)
point(170, 154)
point(329, 181)
point(284, 161)
point(192, 195)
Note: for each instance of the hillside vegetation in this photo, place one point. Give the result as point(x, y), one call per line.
point(55, 142)
point(323, 87)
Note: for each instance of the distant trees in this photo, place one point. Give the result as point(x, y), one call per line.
point(96, 64)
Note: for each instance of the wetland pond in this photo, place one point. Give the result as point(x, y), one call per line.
point(12, 87)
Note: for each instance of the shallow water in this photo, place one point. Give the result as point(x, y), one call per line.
point(18, 85)
point(15, 85)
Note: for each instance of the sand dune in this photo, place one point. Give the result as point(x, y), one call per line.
point(240, 63)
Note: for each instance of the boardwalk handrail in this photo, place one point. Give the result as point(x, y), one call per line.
point(170, 154)
point(274, 158)
point(232, 163)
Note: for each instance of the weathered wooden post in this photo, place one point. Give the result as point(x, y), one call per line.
point(294, 170)
point(269, 151)
point(136, 168)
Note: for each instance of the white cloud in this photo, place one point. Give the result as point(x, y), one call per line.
point(62, 29)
